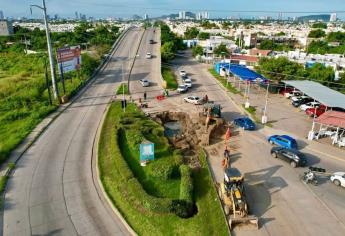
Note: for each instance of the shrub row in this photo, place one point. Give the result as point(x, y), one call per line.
point(135, 190)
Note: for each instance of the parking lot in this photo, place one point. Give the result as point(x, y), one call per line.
point(284, 204)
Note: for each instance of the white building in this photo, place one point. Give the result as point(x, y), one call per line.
point(146, 17)
point(6, 28)
point(202, 15)
point(333, 17)
point(182, 15)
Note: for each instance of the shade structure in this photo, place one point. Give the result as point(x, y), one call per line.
point(319, 92)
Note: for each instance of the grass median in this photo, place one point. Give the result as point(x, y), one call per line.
point(153, 199)
point(122, 89)
point(223, 81)
point(170, 78)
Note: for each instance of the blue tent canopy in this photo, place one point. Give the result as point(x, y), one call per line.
point(240, 71)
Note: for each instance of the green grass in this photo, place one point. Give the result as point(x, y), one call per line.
point(123, 89)
point(24, 97)
point(119, 169)
point(170, 78)
point(223, 81)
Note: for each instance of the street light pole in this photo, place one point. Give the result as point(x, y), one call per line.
point(264, 117)
point(50, 50)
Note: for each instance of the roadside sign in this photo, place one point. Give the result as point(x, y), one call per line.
point(147, 151)
point(69, 58)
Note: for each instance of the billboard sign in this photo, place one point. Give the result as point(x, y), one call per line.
point(69, 58)
point(147, 151)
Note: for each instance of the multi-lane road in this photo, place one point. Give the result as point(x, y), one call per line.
point(53, 190)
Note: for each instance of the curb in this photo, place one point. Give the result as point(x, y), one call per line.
point(215, 188)
point(96, 175)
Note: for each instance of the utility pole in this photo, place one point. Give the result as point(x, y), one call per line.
point(50, 50)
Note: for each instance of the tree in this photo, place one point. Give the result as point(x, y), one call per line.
point(267, 45)
point(281, 34)
point(319, 25)
point(191, 33)
point(204, 35)
point(167, 51)
point(197, 50)
point(279, 69)
point(221, 50)
point(321, 72)
point(319, 33)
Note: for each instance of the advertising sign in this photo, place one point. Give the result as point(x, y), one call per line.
point(147, 151)
point(69, 58)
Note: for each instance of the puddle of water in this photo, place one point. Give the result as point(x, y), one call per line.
point(172, 129)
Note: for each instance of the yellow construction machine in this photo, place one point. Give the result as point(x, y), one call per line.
point(233, 197)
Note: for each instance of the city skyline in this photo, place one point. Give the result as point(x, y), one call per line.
point(155, 8)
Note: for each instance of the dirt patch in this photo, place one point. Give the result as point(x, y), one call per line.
point(193, 133)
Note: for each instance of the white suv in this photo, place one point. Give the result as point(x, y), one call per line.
point(338, 178)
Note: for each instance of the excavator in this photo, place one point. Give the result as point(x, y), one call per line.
point(233, 196)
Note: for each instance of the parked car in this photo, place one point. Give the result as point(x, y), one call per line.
point(182, 88)
point(292, 93)
point(183, 73)
point(294, 157)
point(304, 107)
point(285, 90)
point(144, 82)
point(315, 111)
point(186, 79)
point(148, 55)
point(193, 99)
point(283, 141)
point(338, 178)
point(188, 83)
point(245, 123)
point(301, 102)
point(296, 98)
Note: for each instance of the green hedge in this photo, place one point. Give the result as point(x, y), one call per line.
point(186, 187)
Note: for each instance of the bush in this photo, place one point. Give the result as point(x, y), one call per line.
point(150, 203)
point(186, 186)
point(162, 170)
point(182, 208)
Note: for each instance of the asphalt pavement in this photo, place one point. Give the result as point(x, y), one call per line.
point(284, 204)
point(52, 190)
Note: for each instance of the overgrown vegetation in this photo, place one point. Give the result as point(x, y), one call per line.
point(271, 45)
point(170, 78)
point(23, 92)
point(197, 50)
point(318, 33)
point(155, 199)
point(278, 69)
point(171, 43)
point(323, 47)
point(223, 81)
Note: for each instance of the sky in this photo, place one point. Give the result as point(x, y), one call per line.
point(154, 8)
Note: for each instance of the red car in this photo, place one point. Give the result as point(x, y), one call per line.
point(315, 111)
point(285, 90)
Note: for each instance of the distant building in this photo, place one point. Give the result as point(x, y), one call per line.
point(250, 40)
point(182, 15)
point(1, 15)
point(260, 52)
point(146, 17)
point(202, 15)
point(6, 28)
point(333, 17)
point(76, 15)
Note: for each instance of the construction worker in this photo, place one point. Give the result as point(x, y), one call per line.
point(145, 96)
